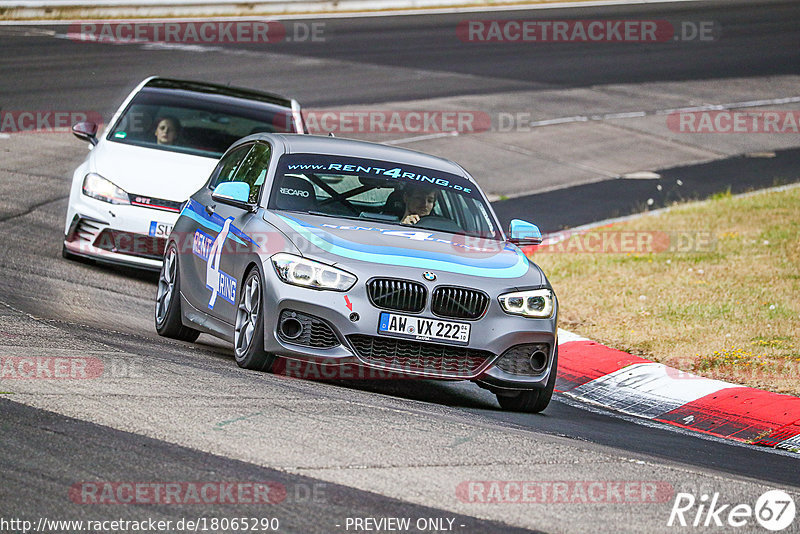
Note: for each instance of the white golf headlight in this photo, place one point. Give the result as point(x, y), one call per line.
point(309, 273)
point(96, 186)
point(538, 303)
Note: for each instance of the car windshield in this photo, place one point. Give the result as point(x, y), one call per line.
point(181, 121)
point(382, 191)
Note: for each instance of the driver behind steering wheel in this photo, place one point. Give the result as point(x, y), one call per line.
point(419, 202)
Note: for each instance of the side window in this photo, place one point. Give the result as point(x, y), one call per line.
point(229, 165)
point(254, 169)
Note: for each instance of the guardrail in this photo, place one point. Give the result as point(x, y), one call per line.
point(20, 10)
point(84, 9)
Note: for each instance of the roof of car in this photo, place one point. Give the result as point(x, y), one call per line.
point(218, 90)
point(316, 144)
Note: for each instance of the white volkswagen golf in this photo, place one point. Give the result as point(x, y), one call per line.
point(159, 148)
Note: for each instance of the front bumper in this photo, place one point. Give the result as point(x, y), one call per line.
point(117, 234)
point(345, 336)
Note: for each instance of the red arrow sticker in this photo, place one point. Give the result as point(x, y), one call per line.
point(349, 304)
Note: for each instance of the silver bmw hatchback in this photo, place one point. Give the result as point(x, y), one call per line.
point(331, 254)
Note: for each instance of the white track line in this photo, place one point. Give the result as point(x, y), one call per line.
point(635, 114)
point(420, 138)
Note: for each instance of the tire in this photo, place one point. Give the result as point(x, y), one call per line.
point(534, 400)
point(248, 332)
point(168, 301)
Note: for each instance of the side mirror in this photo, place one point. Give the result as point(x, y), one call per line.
point(235, 194)
point(85, 131)
point(523, 233)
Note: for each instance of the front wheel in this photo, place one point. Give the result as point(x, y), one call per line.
point(534, 400)
point(168, 301)
point(248, 332)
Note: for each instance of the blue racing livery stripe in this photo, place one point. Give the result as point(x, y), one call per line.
point(499, 266)
point(197, 212)
point(497, 261)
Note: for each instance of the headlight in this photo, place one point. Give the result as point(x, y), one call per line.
point(96, 186)
point(308, 273)
point(536, 303)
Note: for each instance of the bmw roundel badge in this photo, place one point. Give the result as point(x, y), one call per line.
point(429, 276)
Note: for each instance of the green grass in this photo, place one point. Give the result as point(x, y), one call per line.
point(729, 309)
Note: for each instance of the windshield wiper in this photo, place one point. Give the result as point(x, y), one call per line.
point(323, 214)
point(376, 217)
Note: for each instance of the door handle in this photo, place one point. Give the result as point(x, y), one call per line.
point(210, 209)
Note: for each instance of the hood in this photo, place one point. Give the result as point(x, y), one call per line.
point(151, 172)
point(343, 241)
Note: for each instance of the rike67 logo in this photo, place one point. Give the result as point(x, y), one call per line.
point(774, 510)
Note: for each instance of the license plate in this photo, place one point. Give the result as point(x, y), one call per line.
point(423, 329)
point(159, 229)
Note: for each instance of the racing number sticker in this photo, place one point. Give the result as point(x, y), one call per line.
point(220, 283)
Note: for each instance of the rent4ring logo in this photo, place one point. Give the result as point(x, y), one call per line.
point(210, 250)
point(774, 510)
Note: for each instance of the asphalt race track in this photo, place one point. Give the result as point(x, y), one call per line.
point(165, 411)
